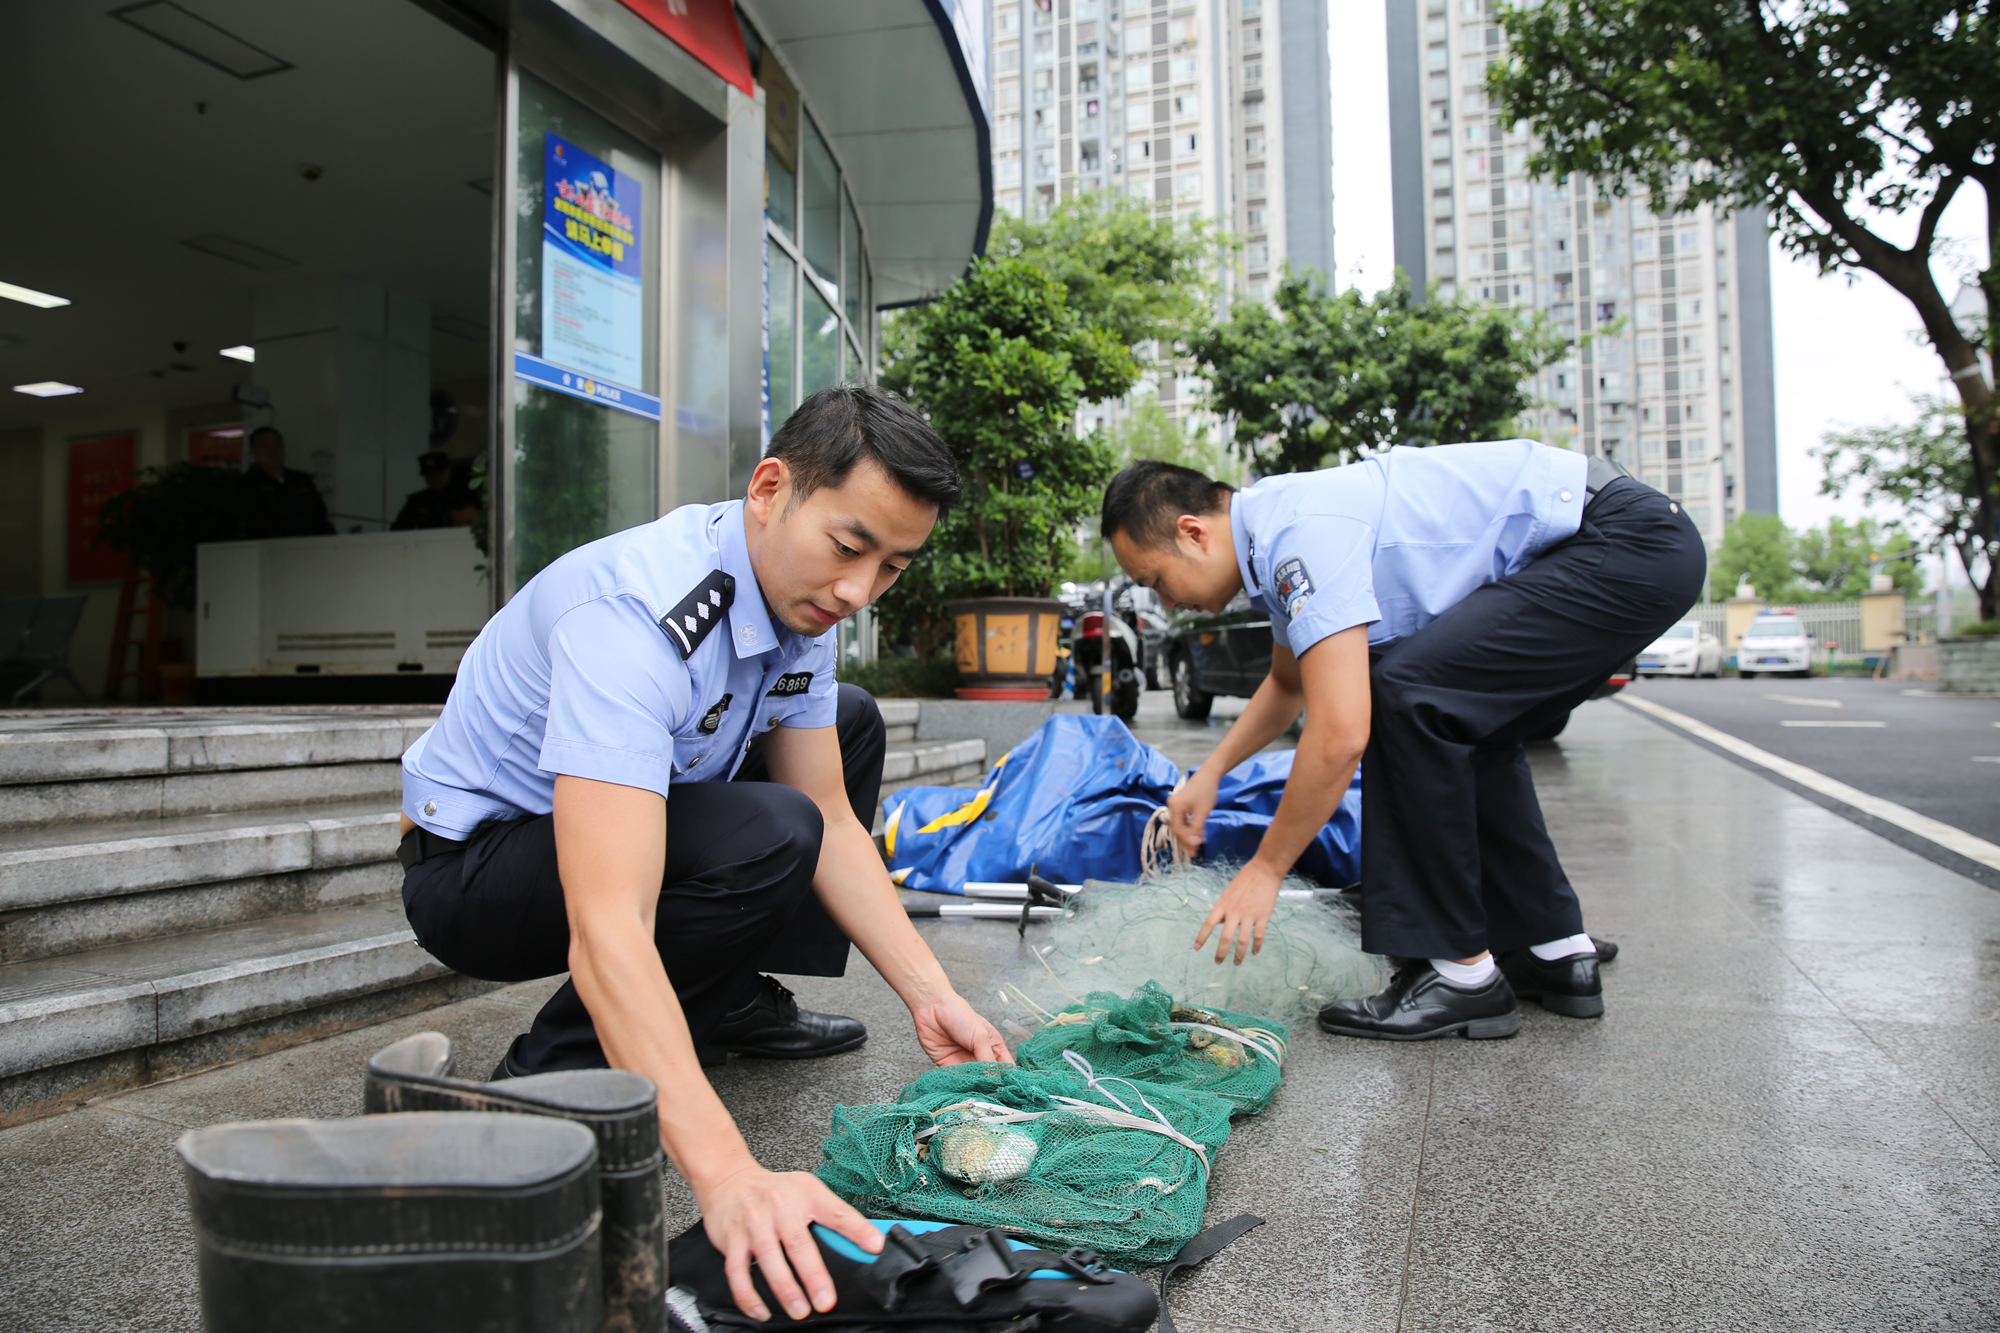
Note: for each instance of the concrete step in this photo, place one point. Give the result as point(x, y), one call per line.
point(932, 764)
point(900, 717)
point(69, 888)
point(81, 747)
point(117, 1017)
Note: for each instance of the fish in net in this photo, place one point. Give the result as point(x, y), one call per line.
point(1117, 937)
point(1063, 1157)
point(1152, 1039)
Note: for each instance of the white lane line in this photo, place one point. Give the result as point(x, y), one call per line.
point(1986, 759)
point(1817, 723)
point(1923, 826)
point(1809, 703)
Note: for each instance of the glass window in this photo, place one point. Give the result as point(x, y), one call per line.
point(1680, 631)
point(781, 193)
point(850, 272)
point(582, 469)
point(822, 206)
point(1775, 628)
point(782, 379)
point(819, 333)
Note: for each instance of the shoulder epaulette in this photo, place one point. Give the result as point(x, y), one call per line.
point(699, 612)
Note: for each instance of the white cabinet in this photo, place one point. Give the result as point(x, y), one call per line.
point(365, 603)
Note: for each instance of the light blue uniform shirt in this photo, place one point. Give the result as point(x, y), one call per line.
point(1394, 541)
point(645, 658)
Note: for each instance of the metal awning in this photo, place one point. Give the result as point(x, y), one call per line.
point(900, 89)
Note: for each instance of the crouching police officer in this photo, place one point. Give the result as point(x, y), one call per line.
point(1432, 608)
point(646, 776)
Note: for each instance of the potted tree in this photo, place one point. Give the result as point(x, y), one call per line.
point(1000, 364)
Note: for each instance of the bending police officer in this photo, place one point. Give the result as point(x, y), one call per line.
point(1431, 608)
point(647, 776)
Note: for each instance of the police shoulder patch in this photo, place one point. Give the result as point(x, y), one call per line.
point(1295, 585)
point(792, 682)
point(699, 612)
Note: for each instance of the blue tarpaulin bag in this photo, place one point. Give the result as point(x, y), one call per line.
point(1072, 802)
point(1247, 798)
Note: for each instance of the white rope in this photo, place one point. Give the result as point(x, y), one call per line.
point(1158, 847)
point(1123, 1118)
point(1267, 1044)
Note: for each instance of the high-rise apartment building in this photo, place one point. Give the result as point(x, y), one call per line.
point(1675, 380)
point(1218, 109)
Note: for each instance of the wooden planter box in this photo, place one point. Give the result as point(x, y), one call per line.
point(1006, 646)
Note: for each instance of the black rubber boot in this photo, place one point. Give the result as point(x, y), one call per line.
point(621, 1108)
point(396, 1224)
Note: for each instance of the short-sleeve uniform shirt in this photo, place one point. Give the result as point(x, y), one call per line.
point(645, 658)
point(1396, 540)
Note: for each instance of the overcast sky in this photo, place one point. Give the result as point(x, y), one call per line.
point(1845, 356)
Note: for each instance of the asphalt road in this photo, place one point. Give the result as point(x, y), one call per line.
point(1933, 753)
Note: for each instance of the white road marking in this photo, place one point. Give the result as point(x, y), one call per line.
point(1986, 759)
point(1923, 826)
point(1809, 703)
point(1789, 722)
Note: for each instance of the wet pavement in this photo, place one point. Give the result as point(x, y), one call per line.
point(1789, 1118)
point(1937, 754)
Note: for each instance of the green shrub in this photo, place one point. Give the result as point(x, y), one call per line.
point(1978, 629)
point(905, 677)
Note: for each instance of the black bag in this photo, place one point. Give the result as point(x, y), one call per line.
point(925, 1275)
point(396, 1224)
point(619, 1107)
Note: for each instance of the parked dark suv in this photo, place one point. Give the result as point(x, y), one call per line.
point(1229, 652)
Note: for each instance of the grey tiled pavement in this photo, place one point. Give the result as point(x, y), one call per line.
point(1789, 1118)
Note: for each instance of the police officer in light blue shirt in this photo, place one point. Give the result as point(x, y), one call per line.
point(647, 776)
point(1432, 609)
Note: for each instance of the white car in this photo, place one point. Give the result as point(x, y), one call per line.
point(1775, 642)
point(1685, 649)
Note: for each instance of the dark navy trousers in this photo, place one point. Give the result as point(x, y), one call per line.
point(736, 898)
point(1455, 857)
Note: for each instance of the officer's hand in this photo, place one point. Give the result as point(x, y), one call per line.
point(766, 1217)
point(1242, 912)
point(951, 1033)
point(1189, 808)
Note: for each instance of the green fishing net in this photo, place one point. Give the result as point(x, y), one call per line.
point(1068, 1157)
point(1117, 937)
point(1152, 1039)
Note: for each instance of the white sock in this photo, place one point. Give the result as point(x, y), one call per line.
point(1568, 947)
point(1466, 976)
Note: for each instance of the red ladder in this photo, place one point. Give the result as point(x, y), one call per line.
point(147, 641)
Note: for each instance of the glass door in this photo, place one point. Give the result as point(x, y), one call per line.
point(584, 455)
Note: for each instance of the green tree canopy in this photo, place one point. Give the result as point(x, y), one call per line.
point(1328, 378)
point(1828, 112)
point(1924, 469)
point(1830, 564)
point(999, 365)
point(1123, 270)
point(1756, 549)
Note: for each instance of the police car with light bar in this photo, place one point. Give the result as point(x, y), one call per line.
point(1776, 643)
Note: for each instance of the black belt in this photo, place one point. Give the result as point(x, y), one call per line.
point(1602, 473)
point(420, 845)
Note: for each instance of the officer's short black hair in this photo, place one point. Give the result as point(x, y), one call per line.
point(271, 431)
point(1146, 499)
point(845, 423)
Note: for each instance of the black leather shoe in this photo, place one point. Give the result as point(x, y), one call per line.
point(1564, 986)
point(1420, 1004)
point(1606, 950)
point(773, 1027)
point(510, 1065)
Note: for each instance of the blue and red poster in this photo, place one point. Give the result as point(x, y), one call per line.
point(593, 314)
